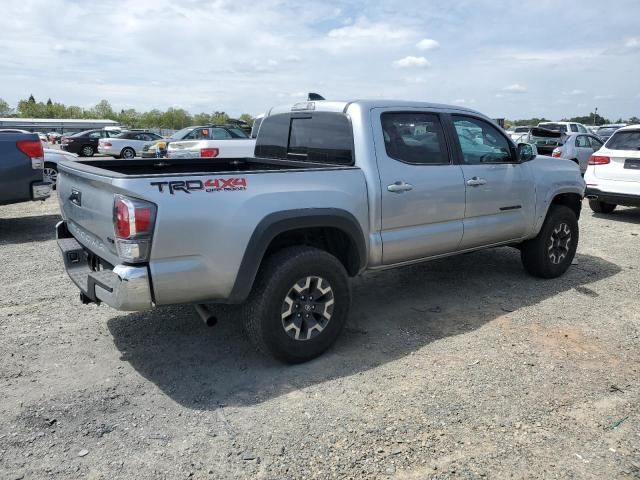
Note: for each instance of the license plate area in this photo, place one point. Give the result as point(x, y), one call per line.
point(632, 163)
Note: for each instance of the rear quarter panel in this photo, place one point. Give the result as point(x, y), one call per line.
point(200, 237)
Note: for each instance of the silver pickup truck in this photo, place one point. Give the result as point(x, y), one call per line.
point(333, 189)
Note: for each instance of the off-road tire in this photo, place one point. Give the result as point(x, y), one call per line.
point(601, 207)
point(263, 311)
point(538, 255)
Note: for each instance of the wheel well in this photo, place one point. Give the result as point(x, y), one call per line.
point(330, 239)
point(571, 200)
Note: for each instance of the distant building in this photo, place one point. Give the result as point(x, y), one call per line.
point(59, 125)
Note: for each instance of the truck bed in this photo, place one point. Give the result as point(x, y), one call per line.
point(168, 166)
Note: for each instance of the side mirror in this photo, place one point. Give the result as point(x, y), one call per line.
point(527, 152)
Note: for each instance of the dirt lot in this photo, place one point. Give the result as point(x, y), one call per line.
point(459, 368)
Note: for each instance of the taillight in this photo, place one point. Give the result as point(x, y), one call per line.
point(33, 149)
point(556, 153)
point(105, 144)
point(133, 224)
point(599, 160)
point(209, 152)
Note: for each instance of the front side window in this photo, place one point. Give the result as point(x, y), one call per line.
point(582, 129)
point(416, 138)
point(95, 135)
point(574, 127)
point(481, 142)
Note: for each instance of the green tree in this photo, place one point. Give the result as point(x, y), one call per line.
point(5, 109)
point(31, 99)
point(201, 119)
point(129, 118)
point(247, 118)
point(634, 121)
point(218, 118)
point(530, 121)
point(103, 110)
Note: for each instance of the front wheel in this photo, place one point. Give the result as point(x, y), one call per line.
point(601, 207)
point(550, 253)
point(299, 304)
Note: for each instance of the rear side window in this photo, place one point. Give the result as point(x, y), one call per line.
point(629, 140)
point(416, 138)
point(574, 127)
point(320, 137)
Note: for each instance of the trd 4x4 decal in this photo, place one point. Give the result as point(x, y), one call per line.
point(210, 185)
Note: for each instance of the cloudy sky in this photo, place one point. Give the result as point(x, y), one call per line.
point(505, 58)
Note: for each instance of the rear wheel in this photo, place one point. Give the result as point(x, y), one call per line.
point(87, 151)
point(299, 304)
point(601, 207)
point(551, 252)
point(128, 153)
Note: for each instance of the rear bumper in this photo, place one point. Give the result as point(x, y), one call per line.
point(40, 190)
point(614, 198)
point(108, 151)
point(122, 287)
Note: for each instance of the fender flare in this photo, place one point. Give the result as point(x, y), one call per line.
point(279, 222)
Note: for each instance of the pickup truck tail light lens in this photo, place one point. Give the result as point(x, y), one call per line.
point(133, 221)
point(599, 160)
point(33, 149)
point(209, 152)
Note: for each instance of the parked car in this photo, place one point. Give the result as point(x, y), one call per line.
point(613, 174)
point(42, 137)
point(85, 143)
point(544, 140)
point(517, 132)
point(201, 132)
point(564, 127)
point(605, 131)
point(578, 147)
point(214, 141)
point(126, 145)
point(51, 159)
point(334, 189)
point(21, 163)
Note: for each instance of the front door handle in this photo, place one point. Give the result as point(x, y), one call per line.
point(399, 187)
point(476, 181)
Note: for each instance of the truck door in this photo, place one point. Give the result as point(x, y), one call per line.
point(423, 193)
point(500, 191)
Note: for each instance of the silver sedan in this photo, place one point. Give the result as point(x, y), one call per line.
point(578, 147)
point(51, 158)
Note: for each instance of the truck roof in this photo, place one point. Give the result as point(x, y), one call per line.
point(341, 106)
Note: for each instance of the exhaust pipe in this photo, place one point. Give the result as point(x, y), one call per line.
point(207, 317)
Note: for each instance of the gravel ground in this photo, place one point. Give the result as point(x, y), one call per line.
point(459, 368)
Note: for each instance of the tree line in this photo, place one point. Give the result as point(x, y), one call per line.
point(585, 119)
point(172, 118)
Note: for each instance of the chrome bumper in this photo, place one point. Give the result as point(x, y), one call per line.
point(122, 287)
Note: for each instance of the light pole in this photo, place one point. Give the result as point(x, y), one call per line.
point(595, 117)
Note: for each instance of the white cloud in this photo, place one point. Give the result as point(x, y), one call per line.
point(364, 29)
point(632, 43)
point(576, 92)
point(427, 44)
point(412, 62)
point(515, 88)
point(459, 101)
point(605, 97)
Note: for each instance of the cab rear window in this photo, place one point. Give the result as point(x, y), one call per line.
point(319, 137)
point(628, 140)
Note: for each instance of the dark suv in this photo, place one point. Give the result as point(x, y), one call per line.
point(85, 143)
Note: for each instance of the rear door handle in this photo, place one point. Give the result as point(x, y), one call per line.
point(399, 187)
point(476, 181)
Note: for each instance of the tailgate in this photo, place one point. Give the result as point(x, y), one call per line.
point(86, 203)
point(624, 166)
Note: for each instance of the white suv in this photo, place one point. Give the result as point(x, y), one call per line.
point(613, 173)
point(564, 127)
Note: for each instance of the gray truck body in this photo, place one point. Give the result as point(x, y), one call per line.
point(208, 242)
point(21, 177)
